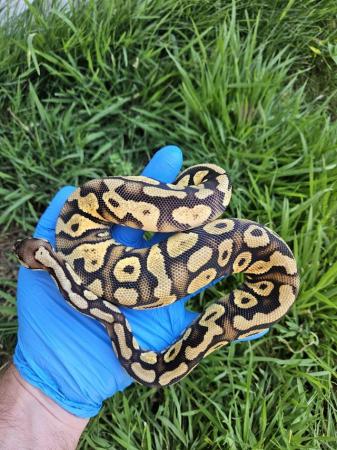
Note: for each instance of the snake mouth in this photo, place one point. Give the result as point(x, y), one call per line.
point(18, 247)
point(25, 250)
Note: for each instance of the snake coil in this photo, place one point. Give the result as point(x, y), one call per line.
point(96, 274)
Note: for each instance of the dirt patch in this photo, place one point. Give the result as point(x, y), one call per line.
point(8, 261)
point(8, 275)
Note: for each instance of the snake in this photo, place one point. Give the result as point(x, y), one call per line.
point(97, 275)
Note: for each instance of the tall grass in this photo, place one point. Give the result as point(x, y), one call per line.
point(94, 90)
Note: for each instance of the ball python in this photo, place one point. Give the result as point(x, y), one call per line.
point(96, 274)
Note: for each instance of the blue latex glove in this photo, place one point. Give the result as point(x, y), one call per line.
point(68, 355)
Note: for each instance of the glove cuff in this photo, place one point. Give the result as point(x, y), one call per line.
point(33, 375)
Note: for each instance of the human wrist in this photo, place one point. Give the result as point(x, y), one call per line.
point(28, 418)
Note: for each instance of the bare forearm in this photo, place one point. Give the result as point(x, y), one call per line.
point(31, 420)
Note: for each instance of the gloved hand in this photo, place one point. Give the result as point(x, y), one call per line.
point(68, 355)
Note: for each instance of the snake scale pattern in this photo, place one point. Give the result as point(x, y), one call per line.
point(96, 274)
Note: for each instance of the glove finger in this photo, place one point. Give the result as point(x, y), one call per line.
point(187, 318)
point(164, 166)
point(156, 329)
point(46, 225)
point(157, 237)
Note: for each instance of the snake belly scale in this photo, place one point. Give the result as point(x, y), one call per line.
point(96, 274)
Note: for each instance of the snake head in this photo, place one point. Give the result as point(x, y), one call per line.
point(25, 250)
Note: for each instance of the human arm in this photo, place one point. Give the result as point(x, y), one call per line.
point(31, 420)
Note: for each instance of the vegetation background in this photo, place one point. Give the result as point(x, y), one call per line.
point(93, 89)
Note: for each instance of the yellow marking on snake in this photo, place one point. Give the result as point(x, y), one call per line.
point(201, 280)
point(77, 225)
point(96, 287)
point(262, 288)
point(149, 357)
point(89, 295)
point(255, 236)
point(179, 275)
point(242, 261)
point(225, 250)
point(171, 354)
point(223, 183)
point(192, 217)
point(146, 213)
point(135, 343)
point(141, 179)
point(111, 307)
point(106, 317)
point(148, 375)
point(126, 351)
point(180, 243)
point(133, 188)
point(156, 266)
point(163, 193)
point(184, 181)
point(219, 227)
point(244, 300)
point(199, 258)
point(199, 176)
point(202, 194)
point(88, 204)
point(127, 269)
point(126, 296)
point(170, 375)
point(93, 255)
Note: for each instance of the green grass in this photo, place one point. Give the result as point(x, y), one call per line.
point(249, 85)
